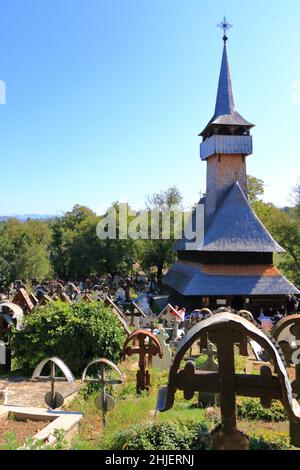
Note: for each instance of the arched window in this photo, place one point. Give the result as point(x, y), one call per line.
point(207, 135)
point(241, 131)
point(224, 130)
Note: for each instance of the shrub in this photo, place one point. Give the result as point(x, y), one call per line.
point(30, 443)
point(177, 435)
point(252, 410)
point(280, 442)
point(77, 333)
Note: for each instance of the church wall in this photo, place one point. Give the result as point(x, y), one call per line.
point(222, 172)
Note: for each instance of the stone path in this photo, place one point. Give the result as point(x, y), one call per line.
point(20, 391)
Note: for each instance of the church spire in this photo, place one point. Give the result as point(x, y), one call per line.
point(225, 113)
point(225, 101)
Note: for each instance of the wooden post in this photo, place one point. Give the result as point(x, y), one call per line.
point(295, 427)
point(226, 436)
point(227, 380)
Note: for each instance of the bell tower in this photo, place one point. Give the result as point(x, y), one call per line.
point(232, 264)
point(226, 141)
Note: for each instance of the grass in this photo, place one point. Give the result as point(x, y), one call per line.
point(133, 413)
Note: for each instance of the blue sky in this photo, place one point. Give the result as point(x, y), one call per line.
point(105, 98)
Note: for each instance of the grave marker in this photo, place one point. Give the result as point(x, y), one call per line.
point(148, 346)
point(267, 387)
point(23, 300)
point(53, 398)
point(164, 362)
point(103, 401)
point(287, 333)
point(2, 353)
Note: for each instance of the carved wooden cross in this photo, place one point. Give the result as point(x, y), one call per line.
point(287, 333)
point(148, 346)
point(224, 327)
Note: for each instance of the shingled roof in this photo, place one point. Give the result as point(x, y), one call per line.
point(235, 227)
point(193, 279)
point(225, 113)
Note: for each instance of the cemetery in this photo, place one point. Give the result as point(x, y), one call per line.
point(172, 349)
point(226, 383)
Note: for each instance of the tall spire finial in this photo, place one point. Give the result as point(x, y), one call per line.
point(225, 25)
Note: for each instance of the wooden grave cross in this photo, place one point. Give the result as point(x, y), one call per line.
point(148, 346)
point(287, 333)
point(226, 382)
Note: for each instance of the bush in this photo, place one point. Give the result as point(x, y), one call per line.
point(76, 333)
point(177, 435)
point(279, 442)
point(252, 410)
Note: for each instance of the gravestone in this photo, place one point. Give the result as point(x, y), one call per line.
point(164, 362)
point(86, 298)
point(205, 398)
point(23, 300)
point(108, 302)
point(168, 315)
point(2, 353)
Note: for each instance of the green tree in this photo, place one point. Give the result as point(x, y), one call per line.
point(68, 256)
point(24, 250)
point(255, 188)
point(282, 224)
point(77, 252)
point(160, 253)
point(286, 232)
point(296, 197)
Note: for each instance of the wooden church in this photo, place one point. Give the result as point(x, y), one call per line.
point(233, 265)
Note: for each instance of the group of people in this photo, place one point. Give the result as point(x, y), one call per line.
point(267, 317)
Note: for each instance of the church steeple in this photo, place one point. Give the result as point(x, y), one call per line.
point(225, 101)
point(233, 262)
point(226, 141)
point(226, 121)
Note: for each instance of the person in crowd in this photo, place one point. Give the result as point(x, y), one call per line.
point(182, 313)
point(292, 304)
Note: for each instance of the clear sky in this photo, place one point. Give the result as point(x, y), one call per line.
point(105, 98)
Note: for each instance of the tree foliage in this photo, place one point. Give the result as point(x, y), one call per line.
point(24, 250)
point(77, 252)
point(255, 189)
point(160, 253)
point(284, 226)
point(68, 247)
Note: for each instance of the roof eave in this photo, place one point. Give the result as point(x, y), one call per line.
point(249, 125)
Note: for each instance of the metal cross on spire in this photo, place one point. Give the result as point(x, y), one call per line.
point(225, 25)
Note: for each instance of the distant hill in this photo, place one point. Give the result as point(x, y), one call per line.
point(24, 217)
